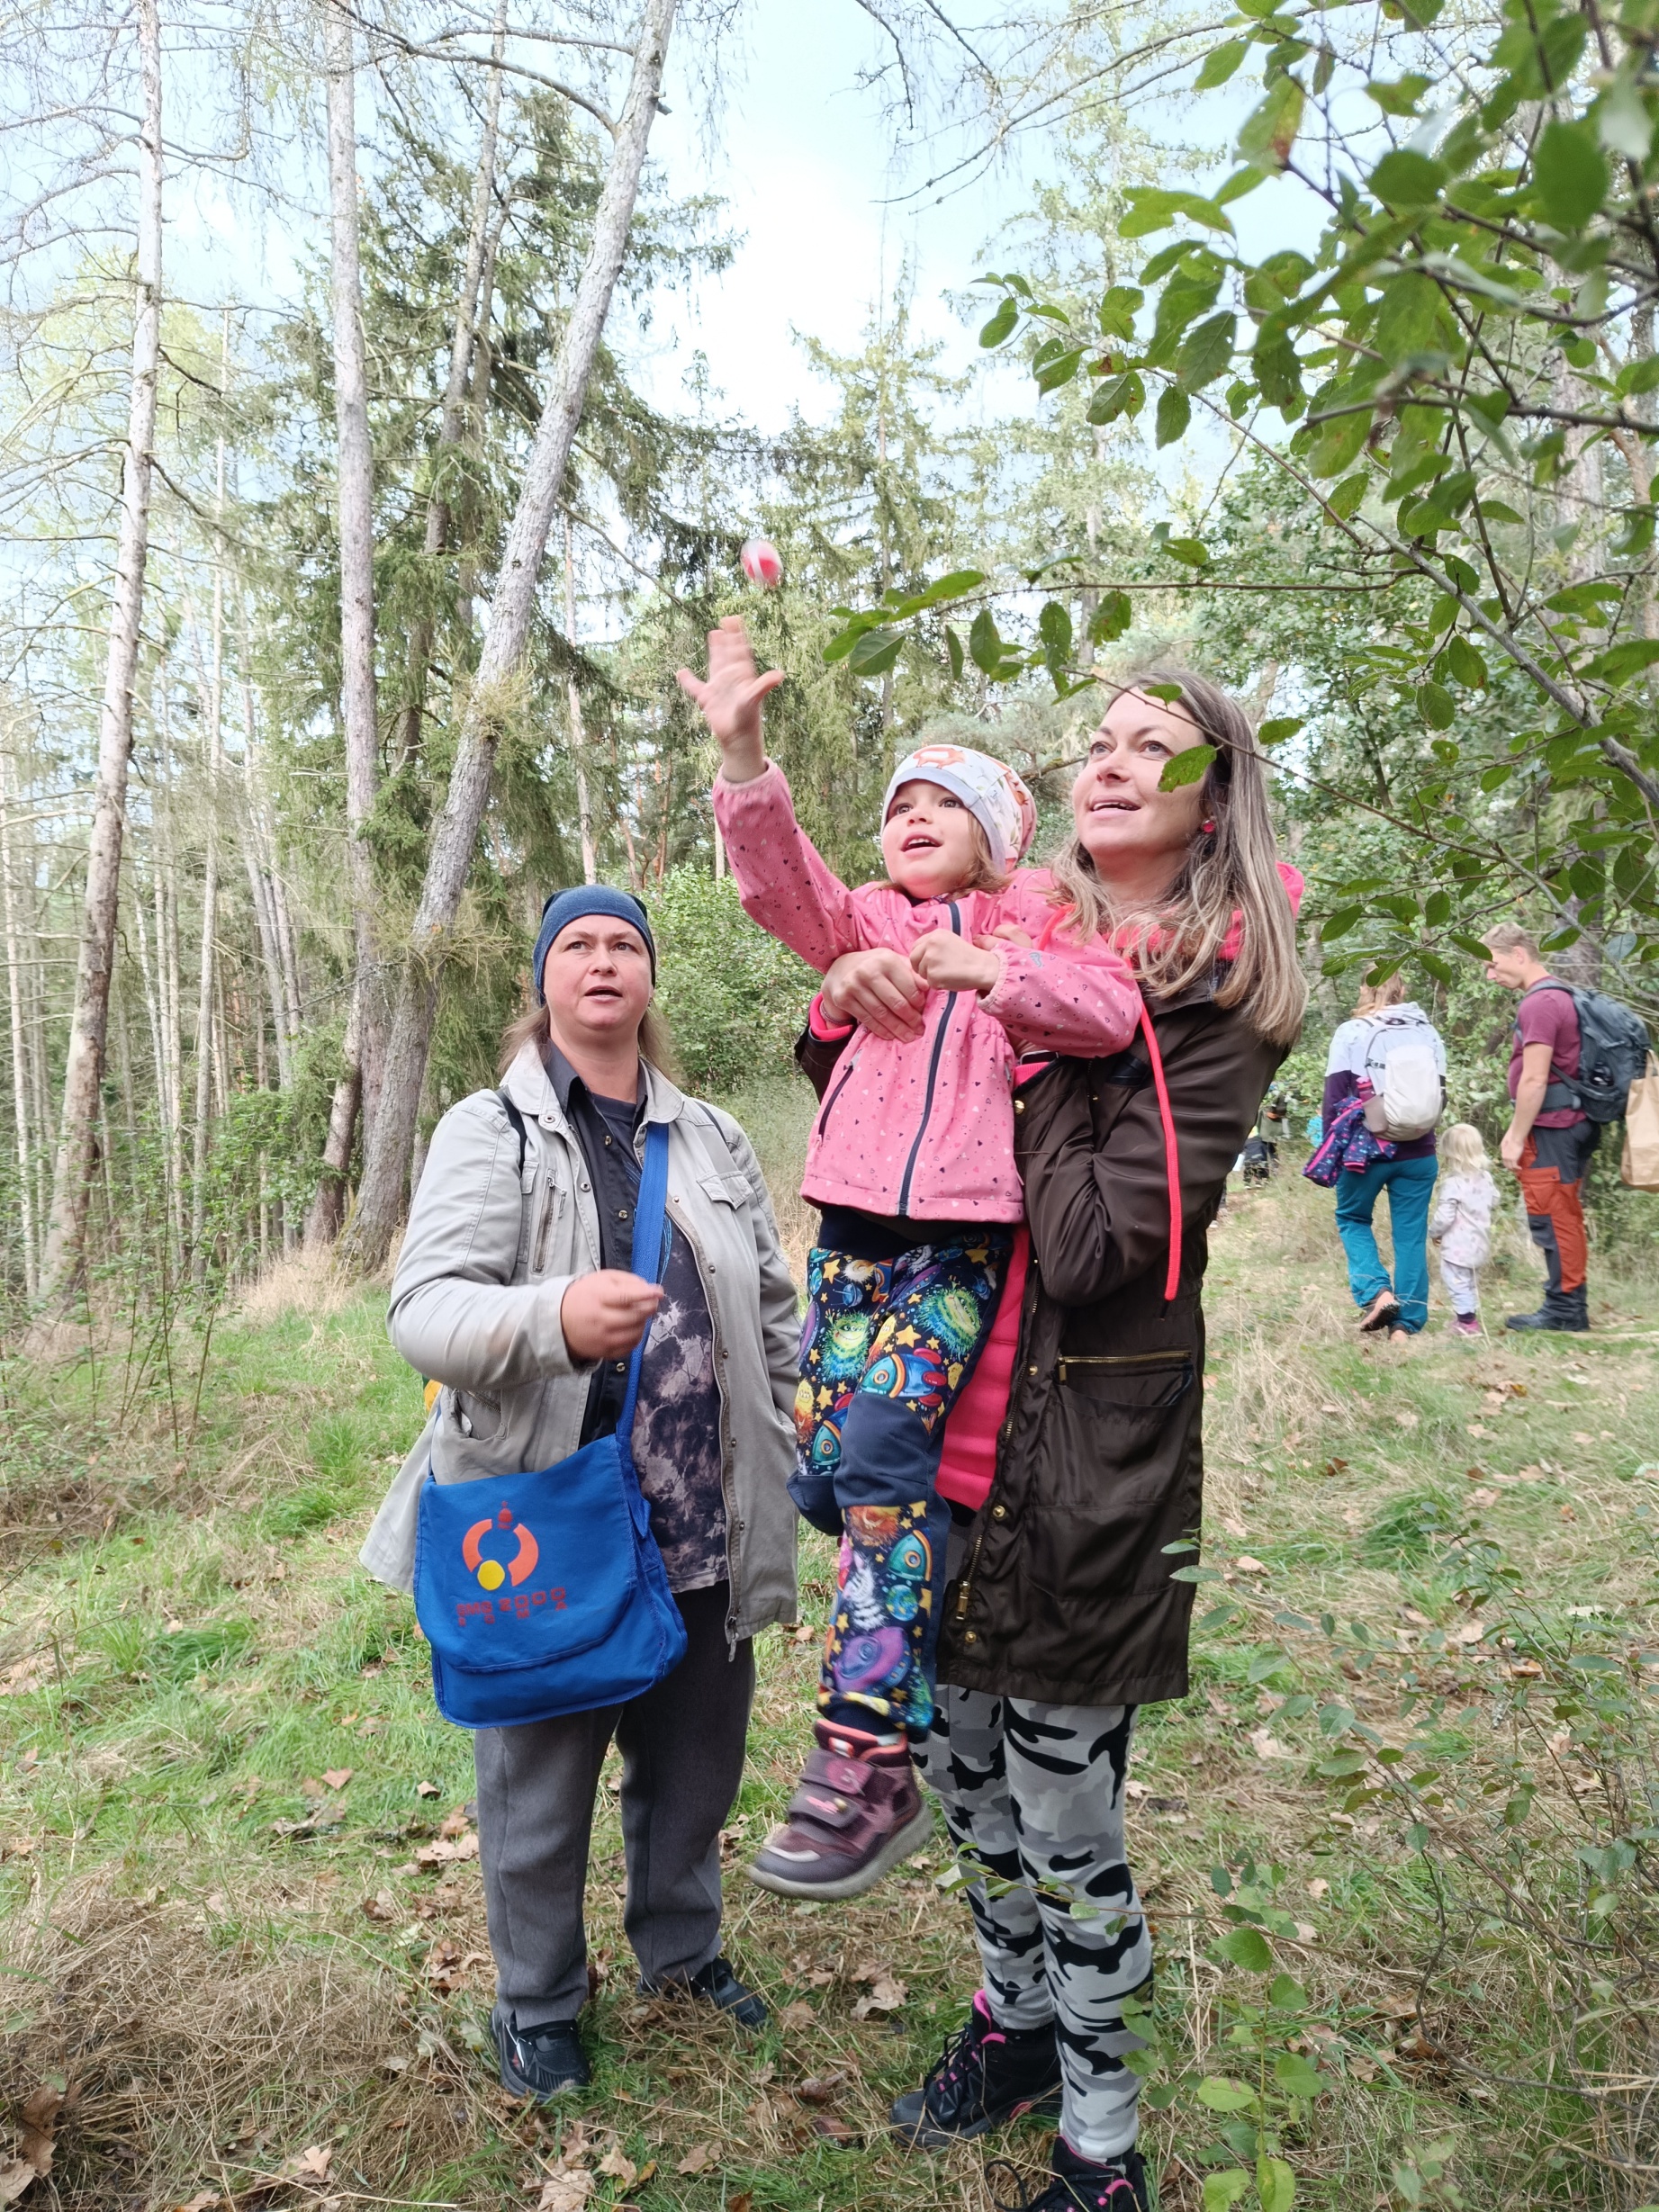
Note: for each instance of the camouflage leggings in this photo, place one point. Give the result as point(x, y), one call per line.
point(1034, 1794)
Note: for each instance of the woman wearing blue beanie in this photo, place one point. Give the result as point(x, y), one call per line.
point(515, 1288)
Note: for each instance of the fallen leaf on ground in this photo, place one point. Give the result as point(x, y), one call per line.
point(381, 1906)
point(832, 2130)
point(617, 2162)
point(1406, 1418)
point(568, 2191)
point(887, 1996)
point(310, 1787)
point(453, 1824)
point(742, 2203)
point(1245, 1565)
point(204, 2201)
point(41, 2110)
point(699, 2159)
point(1265, 1745)
point(1470, 1633)
point(1483, 1497)
point(797, 2015)
point(312, 2164)
point(16, 2176)
point(821, 2089)
point(427, 1789)
point(1319, 1887)
point(337, 1777)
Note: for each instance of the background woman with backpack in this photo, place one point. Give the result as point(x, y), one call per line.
point(1385, 1087)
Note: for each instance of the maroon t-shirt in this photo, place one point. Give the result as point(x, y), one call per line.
point(1547, 1017)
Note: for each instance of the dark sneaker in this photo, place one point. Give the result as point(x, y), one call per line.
point(986, 2077)
point(856, 1812)
point(716, 1984)
point(1078, 2185)
point(541, 2061)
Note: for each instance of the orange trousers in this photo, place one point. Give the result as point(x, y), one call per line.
point(1555, 1205)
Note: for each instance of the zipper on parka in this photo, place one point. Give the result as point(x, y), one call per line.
point(932, 1075)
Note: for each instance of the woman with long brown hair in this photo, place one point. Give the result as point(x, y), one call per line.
point(1063, 1614)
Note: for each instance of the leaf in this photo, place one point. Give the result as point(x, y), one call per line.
point(953, 647)
point(1054, 628)
point(874, 651)
point(1278, 730)
point(1623, 123)
point(312, 2164)
point(1174, 411)
point(1206, 352)
point(887, 1996)
point(618, 2164)
point(1570, 171)
point(1622, 661)
point(1118, 395)
point(1269, 133)
point(833, 2130)
point(1113, 616)
point(1276, 2185)
point(427, 1789)
point(1059, 369)
point(1407, 181)
point(1436, 705)
point(955, 585)
point(1116, 312)
point(1189, 551)
point(1001, 323)
point(1246, 1947)
point(16, 2174)
point(337, 1777)
point(1220, 63)
point(1401, 97)
point(566, 2190)
point(1347, 497)
point(699, 2159)
point(1466, 663)
point(1152, 209)
point(1186, 767)
point(1223, 2190)
point(984, 643)
point(1224, 2096)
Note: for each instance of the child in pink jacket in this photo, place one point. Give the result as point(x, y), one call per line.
point(912, 1163)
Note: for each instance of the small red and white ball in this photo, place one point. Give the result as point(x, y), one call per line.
point(762, 563)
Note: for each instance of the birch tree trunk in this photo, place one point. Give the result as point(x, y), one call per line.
point(210, 893)
point(584, 810)
point(354, 473)
point(385, 1176)
point(65, 1234)
point(20, 1078)
point(452, 423)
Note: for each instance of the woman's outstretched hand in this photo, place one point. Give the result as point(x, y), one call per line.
point(605, 1314)
point(731, 698)
point(878, 989)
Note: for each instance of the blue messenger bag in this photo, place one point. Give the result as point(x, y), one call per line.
point(546, 1594)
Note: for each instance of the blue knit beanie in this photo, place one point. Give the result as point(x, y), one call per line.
point(594, 898)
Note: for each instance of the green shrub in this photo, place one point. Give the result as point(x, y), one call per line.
point(732, 997)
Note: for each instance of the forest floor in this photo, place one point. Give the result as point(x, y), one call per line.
point(244, 1960)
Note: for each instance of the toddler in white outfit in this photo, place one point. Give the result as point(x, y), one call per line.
point(1462, 1222)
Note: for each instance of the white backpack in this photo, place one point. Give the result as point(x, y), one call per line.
point(1402, 1066)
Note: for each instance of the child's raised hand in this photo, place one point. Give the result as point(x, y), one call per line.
point(731, 698)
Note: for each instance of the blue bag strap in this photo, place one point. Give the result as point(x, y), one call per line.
point(648, 1213)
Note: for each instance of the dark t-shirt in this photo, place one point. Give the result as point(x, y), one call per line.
point(1546, 1016)
point(677, 1421)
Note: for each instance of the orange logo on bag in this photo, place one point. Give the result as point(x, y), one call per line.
point(491, 1573)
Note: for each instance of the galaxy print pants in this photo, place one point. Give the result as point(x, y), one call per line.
point(1033, 1798)
point(892, 1331)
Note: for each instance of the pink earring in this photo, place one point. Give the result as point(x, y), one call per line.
point(1209, 829)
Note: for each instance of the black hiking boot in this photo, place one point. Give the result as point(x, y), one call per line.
point(1079, 2185)
point(716, 1984)
point(985, 2077)
point(1568, 1311)
point(539, 2063)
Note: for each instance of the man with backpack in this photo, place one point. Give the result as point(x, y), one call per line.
point(1563, 1083)
point(1384, 1090)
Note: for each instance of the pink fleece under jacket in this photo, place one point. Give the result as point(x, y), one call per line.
point(924, 1130)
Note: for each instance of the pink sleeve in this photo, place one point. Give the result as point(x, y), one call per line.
point(1076, 999)
point(781, 878)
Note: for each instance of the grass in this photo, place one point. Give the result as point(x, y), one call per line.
point(243, 1917)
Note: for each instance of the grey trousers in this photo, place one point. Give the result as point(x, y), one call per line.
point(1034, 1794)
point(682, 1757)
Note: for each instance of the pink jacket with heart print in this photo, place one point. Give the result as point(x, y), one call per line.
point(923, 1130)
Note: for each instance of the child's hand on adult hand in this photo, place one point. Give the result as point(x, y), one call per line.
point(605, 1314)
point(731, 699)
point(946, 962)
point(879, 990)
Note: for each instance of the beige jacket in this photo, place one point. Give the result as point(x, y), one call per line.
point(476, 1303)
